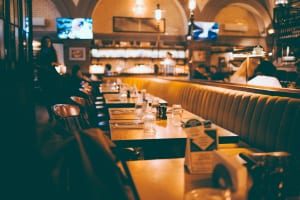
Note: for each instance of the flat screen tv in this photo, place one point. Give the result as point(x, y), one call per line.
point(205, 30)
point(74, 28)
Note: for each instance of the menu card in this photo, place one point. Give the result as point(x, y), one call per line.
point(200, 146)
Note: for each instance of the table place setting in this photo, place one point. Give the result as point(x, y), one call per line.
point(114, 99)
point(122, 111)
point(127, 124)
point(123, 114)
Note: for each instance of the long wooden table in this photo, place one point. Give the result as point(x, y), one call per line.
point(164, 128)
point(123, 113)
point(164, 179)
point(168, 179)
point(106, 88)
point(126, 130)
point(114, 101)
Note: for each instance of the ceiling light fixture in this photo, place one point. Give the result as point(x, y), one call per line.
point(192, 5)
point(139, 7)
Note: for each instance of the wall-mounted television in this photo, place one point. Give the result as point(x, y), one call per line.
point(74, 28)
point(205, 30)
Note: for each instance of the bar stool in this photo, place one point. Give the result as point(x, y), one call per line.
point(69, 116)
point(85, 110)
point(96, 108)
point(87, 94)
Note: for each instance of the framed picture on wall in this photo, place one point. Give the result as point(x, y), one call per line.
point(77, 53)
point(140, 25)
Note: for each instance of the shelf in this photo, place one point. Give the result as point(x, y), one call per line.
point(162, 47)
point(140, 58)
point(125, 53)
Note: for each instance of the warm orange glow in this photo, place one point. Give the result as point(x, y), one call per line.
point(96, 69)
point(139, 69)
point(158, 13)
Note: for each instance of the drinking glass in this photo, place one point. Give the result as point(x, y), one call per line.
point(143, 93)
point(139, 109)
point(155, 101)
point(155, 106)
point(134, 92)
point(177, 114)
point(149, 122)
point(123, 95)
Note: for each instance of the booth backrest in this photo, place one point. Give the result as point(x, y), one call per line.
point(269, 123)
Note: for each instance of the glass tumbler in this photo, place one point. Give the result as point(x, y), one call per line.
point(177, 115)
point(139, 109)
point(149, 122)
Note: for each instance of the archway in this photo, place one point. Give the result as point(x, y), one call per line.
point(46, 9)
point(213, 7)
point(174, 13)
point(70, 8)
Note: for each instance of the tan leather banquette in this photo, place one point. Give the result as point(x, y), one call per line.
point(268, 123)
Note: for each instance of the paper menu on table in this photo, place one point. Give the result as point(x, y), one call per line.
point(201, 143)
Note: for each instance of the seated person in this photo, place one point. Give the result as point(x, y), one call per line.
point(201, 72)
point(107, 70)
point(265, 75)
point(76, 72)
point(215, 74)
point(170, 64)
point(156, 69)
point(77, 78)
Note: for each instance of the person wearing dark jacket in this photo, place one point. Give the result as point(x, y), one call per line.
point(52, 84)
point(77, 79)
point(47, 57)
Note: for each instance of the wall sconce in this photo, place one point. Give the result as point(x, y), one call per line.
point(192, 6)
point(190, 27)
point(157, 13)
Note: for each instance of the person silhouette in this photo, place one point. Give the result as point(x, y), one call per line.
point(107, 70)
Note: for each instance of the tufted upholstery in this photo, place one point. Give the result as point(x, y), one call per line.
point(269, 123)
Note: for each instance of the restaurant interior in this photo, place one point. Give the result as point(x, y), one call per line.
point(150, 99)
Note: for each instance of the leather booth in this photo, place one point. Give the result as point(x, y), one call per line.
point(264, 122)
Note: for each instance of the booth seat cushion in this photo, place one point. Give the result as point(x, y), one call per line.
point(269, 123)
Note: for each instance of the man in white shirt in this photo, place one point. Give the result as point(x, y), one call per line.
point(170, 64)
point(265, 76)
point(267, 81)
